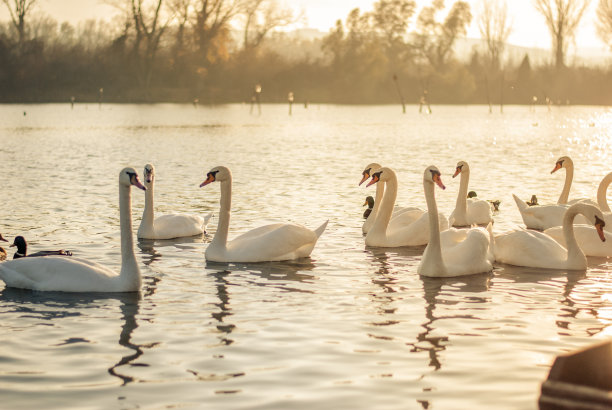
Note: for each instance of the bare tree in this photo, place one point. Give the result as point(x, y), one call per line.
point(562, 18)
point(18, 10)
point(495, 28)
point(211, 25)
point(604, 21)
point(181, 10)
point(435, 39)
point(262, 16)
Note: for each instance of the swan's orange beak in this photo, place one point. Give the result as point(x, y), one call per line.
point(457, 172)
point(438, 180)
point(599, 225)
point(375, 179)
point(557, 167)
point(210, 178)
point(365, 177)
point(136, 182)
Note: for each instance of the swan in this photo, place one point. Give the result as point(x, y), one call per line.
point(468, 211)
point(602, 202)
point(538, 250)
point(275, 242)
point(58, 273)
point(540, 217)
point(399, 216)
point(383, 234)
point(166, 226)
point(461, 257)
point(22, 250)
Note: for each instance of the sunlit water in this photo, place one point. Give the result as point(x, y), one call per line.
point(351, 327)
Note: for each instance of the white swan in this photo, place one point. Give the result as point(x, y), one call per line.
point(274, 242)
point(540, 217)
point(567, 163)
point(538, 250)
point(586, 236)
point(464, 257)
point(384, 234)
point(399, 217)
point(468, 211)
point(58, 273)
point(166, 226)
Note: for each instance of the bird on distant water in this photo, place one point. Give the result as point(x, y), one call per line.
point(22, 250)
point(369, 201)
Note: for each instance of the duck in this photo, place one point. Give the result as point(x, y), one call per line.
point(369, 201)
point(167, 226)
point(22, 250)
point(463, 251)
point(400, 216)
point(275, 242)
point(58, 273)
point(533, 201)
point(384, 234)
point(531, 248)
point(468, 210)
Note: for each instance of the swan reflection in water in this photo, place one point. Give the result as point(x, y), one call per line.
point(275, 274)
point(149, 247)
point(52, 306)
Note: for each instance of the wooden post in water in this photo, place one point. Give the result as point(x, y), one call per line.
point(290, 99)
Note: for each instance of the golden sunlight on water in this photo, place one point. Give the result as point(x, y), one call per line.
point(351, 327)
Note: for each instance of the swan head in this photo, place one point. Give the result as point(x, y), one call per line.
point(149, 174)
point(562, 162)
point(462, 166)
point(367, 172)
point(128, 177)
point(217, 174)
point(432, 175)
point(382, 174)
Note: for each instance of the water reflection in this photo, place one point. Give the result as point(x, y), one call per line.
point(129, 310)
point(150, 253)
point(432, 288)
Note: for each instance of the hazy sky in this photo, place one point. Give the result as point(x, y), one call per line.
point(528, 26)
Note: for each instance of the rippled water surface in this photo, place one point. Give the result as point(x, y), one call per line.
point(351, 327)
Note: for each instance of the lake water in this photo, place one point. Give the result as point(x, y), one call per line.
point(351, 327)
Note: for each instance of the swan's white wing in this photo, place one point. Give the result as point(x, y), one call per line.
point(468, 256)
point(529, 248)
point(272, 242)
point(178, 225)
point(57, 273)
point(479, 211)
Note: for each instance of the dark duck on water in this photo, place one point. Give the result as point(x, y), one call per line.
point(22, 250)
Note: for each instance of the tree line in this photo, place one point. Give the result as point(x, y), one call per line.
point(219, 51)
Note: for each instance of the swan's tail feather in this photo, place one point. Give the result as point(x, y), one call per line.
point(321, 228)
point(522, 206)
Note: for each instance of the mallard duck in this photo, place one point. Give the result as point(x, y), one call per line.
point(22, 250)
point(369, 201)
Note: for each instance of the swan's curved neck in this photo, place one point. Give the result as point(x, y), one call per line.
point(148, 214)
point(432, 257)
point(129, 267)
point(220, 238)
point(461, 204)
point(569, 176)
point(602, 193)
point(380, 188)
point(574, 253)
point(386, 209)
